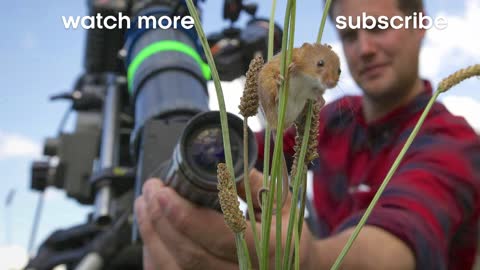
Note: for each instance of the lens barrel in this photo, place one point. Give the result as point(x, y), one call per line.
point(166, 76)
point(175, 136)
point(192, 171)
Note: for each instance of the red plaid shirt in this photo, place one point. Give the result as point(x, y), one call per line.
point(432, 201)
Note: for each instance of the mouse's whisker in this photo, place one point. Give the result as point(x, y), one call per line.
point(346, 111)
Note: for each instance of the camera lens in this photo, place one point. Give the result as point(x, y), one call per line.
point(200, 150)
point(192, 170)
point(205, 150)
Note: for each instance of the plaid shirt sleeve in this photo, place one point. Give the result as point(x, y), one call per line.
point(433, 198)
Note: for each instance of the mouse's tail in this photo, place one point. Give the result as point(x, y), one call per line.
point(285, 183)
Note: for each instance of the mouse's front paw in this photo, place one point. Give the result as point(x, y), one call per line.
point(291, 67)
point(279, 79)
point(321, 101)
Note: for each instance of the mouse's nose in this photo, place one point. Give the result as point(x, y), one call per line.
point(331, 83)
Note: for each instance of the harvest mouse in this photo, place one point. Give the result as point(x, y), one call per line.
point(313, 69)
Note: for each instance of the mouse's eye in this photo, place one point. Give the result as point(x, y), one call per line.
point(339, 71)
point(320, 63)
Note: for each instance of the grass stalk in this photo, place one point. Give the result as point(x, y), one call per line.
point(267, 140)
point(279, 138)
point(280, 185)
point(324, 18)
point(248, 190)
point(303, 203)
point(296, 186)
point(294, 218)
point(271, 30)
point(278, 214)
point(242, 252)
point(297, 243)
point(299, 217)
point(243, 255)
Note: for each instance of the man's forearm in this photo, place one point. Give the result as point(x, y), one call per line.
point(374, 248)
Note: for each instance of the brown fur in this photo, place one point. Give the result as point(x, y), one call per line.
point(304, 62)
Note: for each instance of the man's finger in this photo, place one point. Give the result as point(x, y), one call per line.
point(156, 255)
point(189, 254)
point(150, 185)
point(204, 226)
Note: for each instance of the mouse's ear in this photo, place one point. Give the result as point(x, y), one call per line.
point(306, 44)
point(325, 45)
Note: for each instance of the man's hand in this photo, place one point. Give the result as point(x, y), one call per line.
point(180, 235)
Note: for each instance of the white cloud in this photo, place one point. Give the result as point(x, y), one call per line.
point(52, 194)
point(15, 145)
point(464, 106)
point(445, 51)
point(13, 257)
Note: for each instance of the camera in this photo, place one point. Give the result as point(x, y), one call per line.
point(142, 112)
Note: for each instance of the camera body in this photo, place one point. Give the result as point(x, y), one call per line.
point(168, 87)
point(142, 112)
point(233, 48)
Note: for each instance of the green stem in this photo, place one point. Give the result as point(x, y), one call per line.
point(221, 104)
point(390, 173)
point(276, 154)
point(271, 30)
point(280, 185)
point(266, 223)
point(302, 157)
point(297, 244)
point(266, 154)
point(266, 167)
point(301, 215)
point(303, 203)
point(266, 157)
point(296, 185)
point(324, 18)
point(267, 208)
point(248, 190)
point(278, 216)
point(242, 252)
point(218, 87)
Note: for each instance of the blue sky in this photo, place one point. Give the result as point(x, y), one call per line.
point(41, 58)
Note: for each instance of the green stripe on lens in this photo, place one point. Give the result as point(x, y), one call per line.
point(161, 46)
